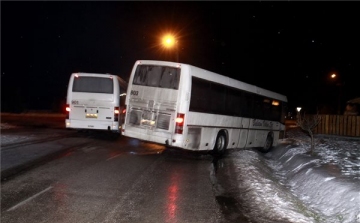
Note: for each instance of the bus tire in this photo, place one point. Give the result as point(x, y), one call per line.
point(220, 144)
point(268, 144)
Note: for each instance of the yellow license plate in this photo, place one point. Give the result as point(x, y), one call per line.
point(91, 115)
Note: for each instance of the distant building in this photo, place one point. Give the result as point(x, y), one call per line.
point(352, 107)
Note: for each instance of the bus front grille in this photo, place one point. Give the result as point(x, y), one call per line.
point(163, 121)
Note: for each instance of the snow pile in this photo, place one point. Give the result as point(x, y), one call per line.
point(7, 126)
point(328, 181)
point(262, 196)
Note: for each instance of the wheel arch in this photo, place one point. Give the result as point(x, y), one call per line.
point(221, 131)
point(271, 133)
point(266, 148)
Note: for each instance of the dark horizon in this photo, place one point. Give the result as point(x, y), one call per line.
point(287, 47)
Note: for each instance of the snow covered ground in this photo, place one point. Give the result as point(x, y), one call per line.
point(290, 185)
point(328, 181)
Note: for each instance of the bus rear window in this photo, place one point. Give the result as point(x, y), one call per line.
point(157, 76)
point(93, 85)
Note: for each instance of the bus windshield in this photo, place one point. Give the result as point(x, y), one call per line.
point(157, 76)
point(93, 85)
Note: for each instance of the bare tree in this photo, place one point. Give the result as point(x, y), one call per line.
point(308, 123)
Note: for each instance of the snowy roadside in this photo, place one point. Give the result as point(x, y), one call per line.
point(328, 182)
point(294, 186)
point(11, 122)
point(260, 193)
point(11, 136)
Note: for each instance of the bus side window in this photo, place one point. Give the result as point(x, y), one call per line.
point(276, 112)
point(267, 113)
point(258, 107)
point(233, 102)
point(217, 98)
point(200, 98)
point(246, 104)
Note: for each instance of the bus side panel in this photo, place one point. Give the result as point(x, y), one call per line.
point(250, 142)
point(258, 131)
point(193, 138)
point(245, 123)
point(208, 138)
point(233, 138)
point(260, 138)
point(243, 136)
point(199, 138)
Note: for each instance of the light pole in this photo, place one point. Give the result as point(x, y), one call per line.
point(340, 85)
point(169, 41)
point(298, 109)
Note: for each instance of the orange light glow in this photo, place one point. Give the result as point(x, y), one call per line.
point(275, 103)
point(179, 120)
point(168, 41)
point(68, 109)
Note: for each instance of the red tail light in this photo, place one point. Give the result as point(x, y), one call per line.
point(179, 123)
point(116, 113)
point(67, 111)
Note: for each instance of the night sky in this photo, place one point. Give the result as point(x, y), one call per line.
point(288, 47)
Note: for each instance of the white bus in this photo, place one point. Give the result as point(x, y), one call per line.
point(95, 101)
point(184, 106)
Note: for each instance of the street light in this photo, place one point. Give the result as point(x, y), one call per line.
point(340, 85)
point(169, 41)
point(298, 109)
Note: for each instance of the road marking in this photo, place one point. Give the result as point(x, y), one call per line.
point(29, 199)
point(89, 149)
point(113, 157)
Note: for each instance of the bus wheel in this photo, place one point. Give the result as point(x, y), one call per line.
point(220, 144)
point(268, 144)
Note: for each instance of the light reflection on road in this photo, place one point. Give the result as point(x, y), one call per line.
point(60, 197)
point(139, 147)
point(172, 199)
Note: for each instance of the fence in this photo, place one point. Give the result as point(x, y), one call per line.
point(343, 125)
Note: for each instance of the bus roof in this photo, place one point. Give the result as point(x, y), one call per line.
point(122, 82)
point(218, 78)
